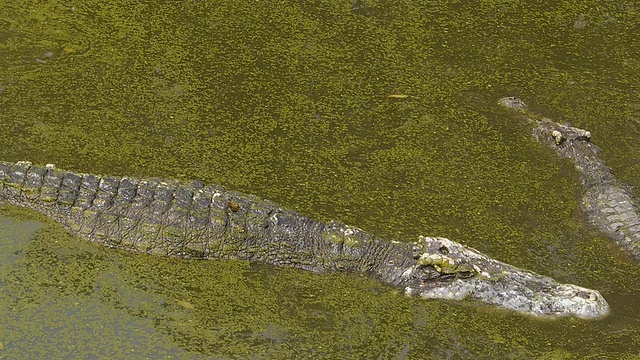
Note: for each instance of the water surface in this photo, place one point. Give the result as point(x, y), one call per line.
point(289, 100)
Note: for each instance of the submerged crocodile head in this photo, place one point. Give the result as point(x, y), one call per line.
point(558, 136)
point(512, 102)
point(567, 141)
point(448, 270)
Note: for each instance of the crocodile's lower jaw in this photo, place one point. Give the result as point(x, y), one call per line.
point(560, 301)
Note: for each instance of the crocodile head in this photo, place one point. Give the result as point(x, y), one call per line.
point(567, 141)
point(448, 270)
point(548, 131)
point(512, 102)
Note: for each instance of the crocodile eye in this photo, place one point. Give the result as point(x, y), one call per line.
point(426, 273)
point(443, 250)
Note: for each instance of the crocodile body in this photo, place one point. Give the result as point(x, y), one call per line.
point(198, 221)
point(607, 203)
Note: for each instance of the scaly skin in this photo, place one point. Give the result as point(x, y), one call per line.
point(607, 203)
point(200, 221)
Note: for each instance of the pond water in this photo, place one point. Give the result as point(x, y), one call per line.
point(290, 100)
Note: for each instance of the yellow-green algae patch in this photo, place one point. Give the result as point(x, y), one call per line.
point(444, 264)
point(341, 236)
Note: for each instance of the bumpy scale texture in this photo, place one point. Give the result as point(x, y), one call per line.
point(198, 221)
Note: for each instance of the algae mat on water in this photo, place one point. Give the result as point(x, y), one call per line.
point(293, 101)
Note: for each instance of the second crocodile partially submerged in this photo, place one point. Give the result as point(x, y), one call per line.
point(200, 221)
point(607, 203)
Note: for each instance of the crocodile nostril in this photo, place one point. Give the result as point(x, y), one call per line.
point(443, 250)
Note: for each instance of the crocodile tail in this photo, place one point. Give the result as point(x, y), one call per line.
point(115, 211)
point(23, 183)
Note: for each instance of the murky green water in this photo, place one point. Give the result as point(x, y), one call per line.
point(290, 101)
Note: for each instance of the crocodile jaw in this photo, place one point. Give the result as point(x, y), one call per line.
point(523, 292)
point(497, 283)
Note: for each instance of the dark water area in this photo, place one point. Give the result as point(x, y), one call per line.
point(381, 115)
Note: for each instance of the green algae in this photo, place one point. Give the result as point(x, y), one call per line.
point(290, 101)
point(338, 237)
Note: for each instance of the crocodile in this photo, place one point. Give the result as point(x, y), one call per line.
point(197, 221)
point(607, 203)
